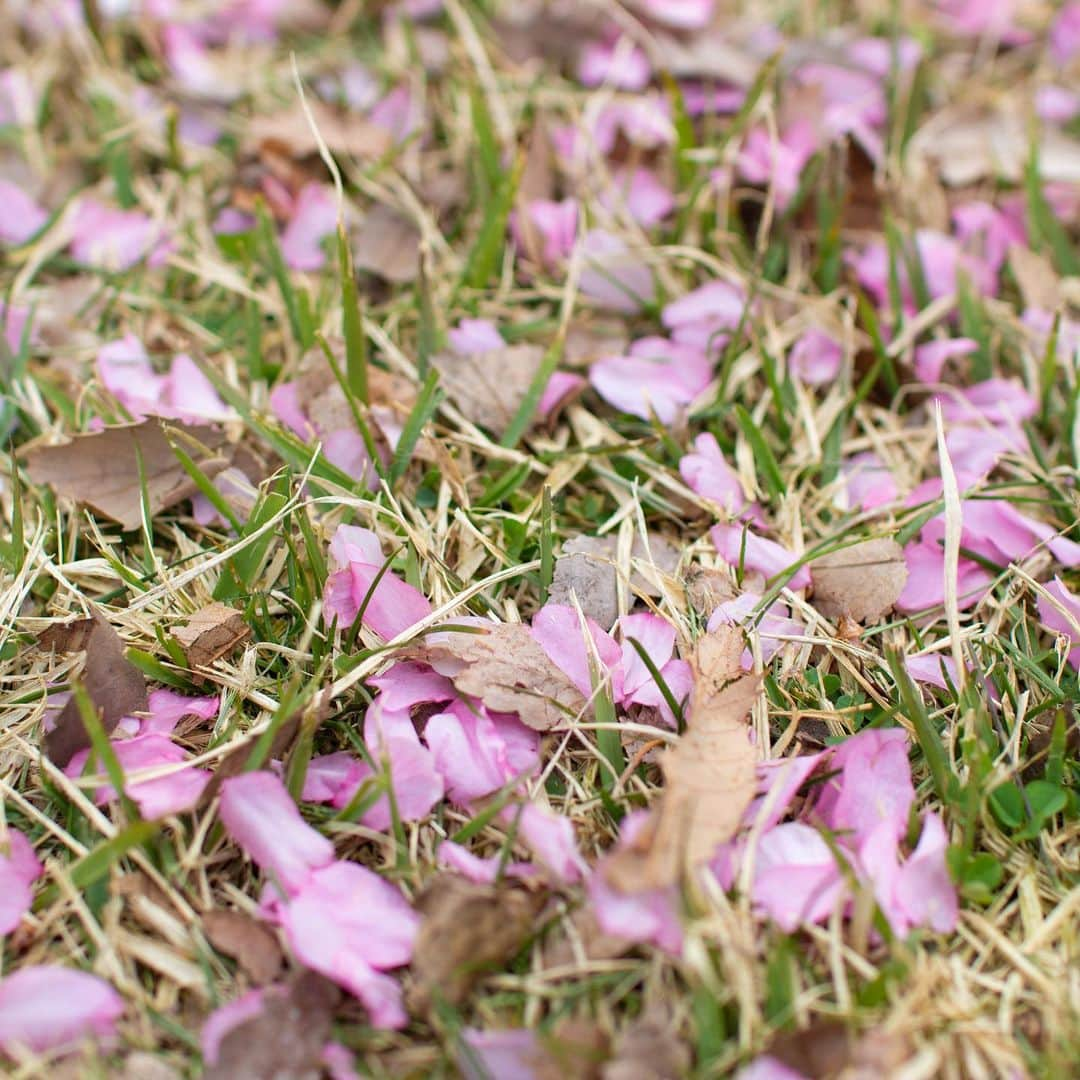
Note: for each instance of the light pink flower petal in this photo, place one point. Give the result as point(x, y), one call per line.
point(796, 878)
point(339, 1062)
point(1059, 623)
point(925, 587)
point(285, 405)
point(771, 628)
point(924, 888)
point(473, 755)
point(647, 200)
point(613, 276)
point(702, 318)
point(191, 396)
point(263, 820)
point(1065, 34)
point(333, 778)
point(656, 636)
point(708, 474)
point(550, 837)
point(992, 401)
point(557, 224)
point(226, 1017)
point(738, 545)
point(314, 217)
point(561, 388)
point(19, 869)
point(126, 372)
point(168, 708)
point(405, 684)
point(1056, 104)
point(768, 1068)
point(414, 774)
point(868, 481)
point(511, 1054)
point(617, 62)
point(816, 358)
point(20, 216)
point(474, 336)
point(558, 631)
point(680, 14)
point(113, 239)
point(659, 377)
point(47, 1007)
point(481, 871)
point(778, 163)
point(13, 321)
point(929, 669)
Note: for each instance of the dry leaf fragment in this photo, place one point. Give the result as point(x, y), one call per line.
point(573, 1048)
point(286, 1039)
point(114, 685)
point(388, 244)
point(862, 581)
point(249, 942)
point(509, 672)
point(102, 470)
point(586, 569)
point(828, 1049)
point(1040, 284)
point(489, 387)
point(707, 588)
point(709, 774)
point(212, 632)
point(467, 931)
point(345, 133)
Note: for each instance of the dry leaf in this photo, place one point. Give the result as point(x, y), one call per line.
point(707, 588)
point(489, 387)
point(709, 774)
point(212, 632)
point(537, 184)
point(586, 569)
point(344, 133)
point(648, 1050)
point(114, 685)
point(102, 470)
point(827, 1049)
point(388, 244)
point(142, 1065)
point(862, 582)
point(467, 931)
point(285, 1040)
point(573, 1048)
point(509, 672)
point(250, 943)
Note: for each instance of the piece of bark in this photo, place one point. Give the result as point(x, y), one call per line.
point(212, 632)
point(116, 687)
point(468, 930)
point(101, 470)
point(249, 942)
point(709, 775)
point(863, 581)
point(508, 670)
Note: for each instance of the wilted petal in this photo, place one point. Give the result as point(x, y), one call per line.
point(816, 357)
point(558, 630)
point(612, 275)
point(704, 317)
point(658, 377)
point(796, 878)
point(263, 820)
point(550, 838)
point(509, 1055)
point(47, 1007)
point(1059, 622)
point(314, 217)
point(20, 216)
point(738, 546)
point(708, 474)
point(19, 869)
point(924, 888)
point(481, 871)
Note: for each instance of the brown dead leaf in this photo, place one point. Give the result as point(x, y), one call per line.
point(114, 685)
point(537, 183)
point(388, 244)
point(586, 569)
point(102, 470)
point(467, 931)
point(249, 942)
point(212, 632)
point(345, 133)
point(509, 672)
point(828, 1049)
point(286, 1039)
point(489, 387)
point(648, 1050)
point(707, 588)
point(709, 774)
point(573, 1048)
point(862, 582)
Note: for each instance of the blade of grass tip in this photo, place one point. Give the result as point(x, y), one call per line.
point(547, 542)
point(145, 515)
point(675, 706)
point(1043, 224)
point(1048, 369)
point(206, 486)
point(975, 325)
point(763, 455)
point(351, 398)
point(427, 401)
point(427, 332)
point(487, 250)
point(487, 143)
point(253, 340)
point(766, 74)
point(525, 411)
point(18, 537)
point(352, 322)
point(927, 736)
point(883, 363)
point(685, 136)
point(268, 240)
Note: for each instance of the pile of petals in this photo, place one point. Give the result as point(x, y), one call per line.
point(849, 835)
point(339, 918)
point(162, 783)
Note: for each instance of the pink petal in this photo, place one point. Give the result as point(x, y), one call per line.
point(868, 481)
point(924, 888)
point(474, 336)
point(929, 669)
point(656, 636)
point(708, 474)
point(550, 838)
point(680, 14)
point(737, 544)
point(20, 216)
point(647, 200)
point(558, 631)
point(796, 878)
point(777, 163)
point(113, 239)
point(47, 1007)
point(993, 401)
point(314, 217)
point(816, 358)
point(481, 871)
point(771, 628)
point(333, 778)
point(126, 372)
point(1054, 620)
point(168, 708)
point(13, 325)
point(1065, 34)
point(557, 224)
point(508, 1055)
point(263, 820)
point(702, 318)
point(925, 587)
point(285, 405)
point(19, 869)
point(191, 396)
point(560, 389)
point(617, 62)
point(612, 275)
point(658, 376)
point(405, 684)
point(478, 753)
point(768, 1068)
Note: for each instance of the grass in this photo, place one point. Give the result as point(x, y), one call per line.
point(476, 523)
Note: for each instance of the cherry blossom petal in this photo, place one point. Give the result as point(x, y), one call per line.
point(19, 869)
point(557, 629)
point(738, 545)
point(613, 276)
point(1061, 623)
point(816, 357)
point(20, 216)
point(314, 218)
